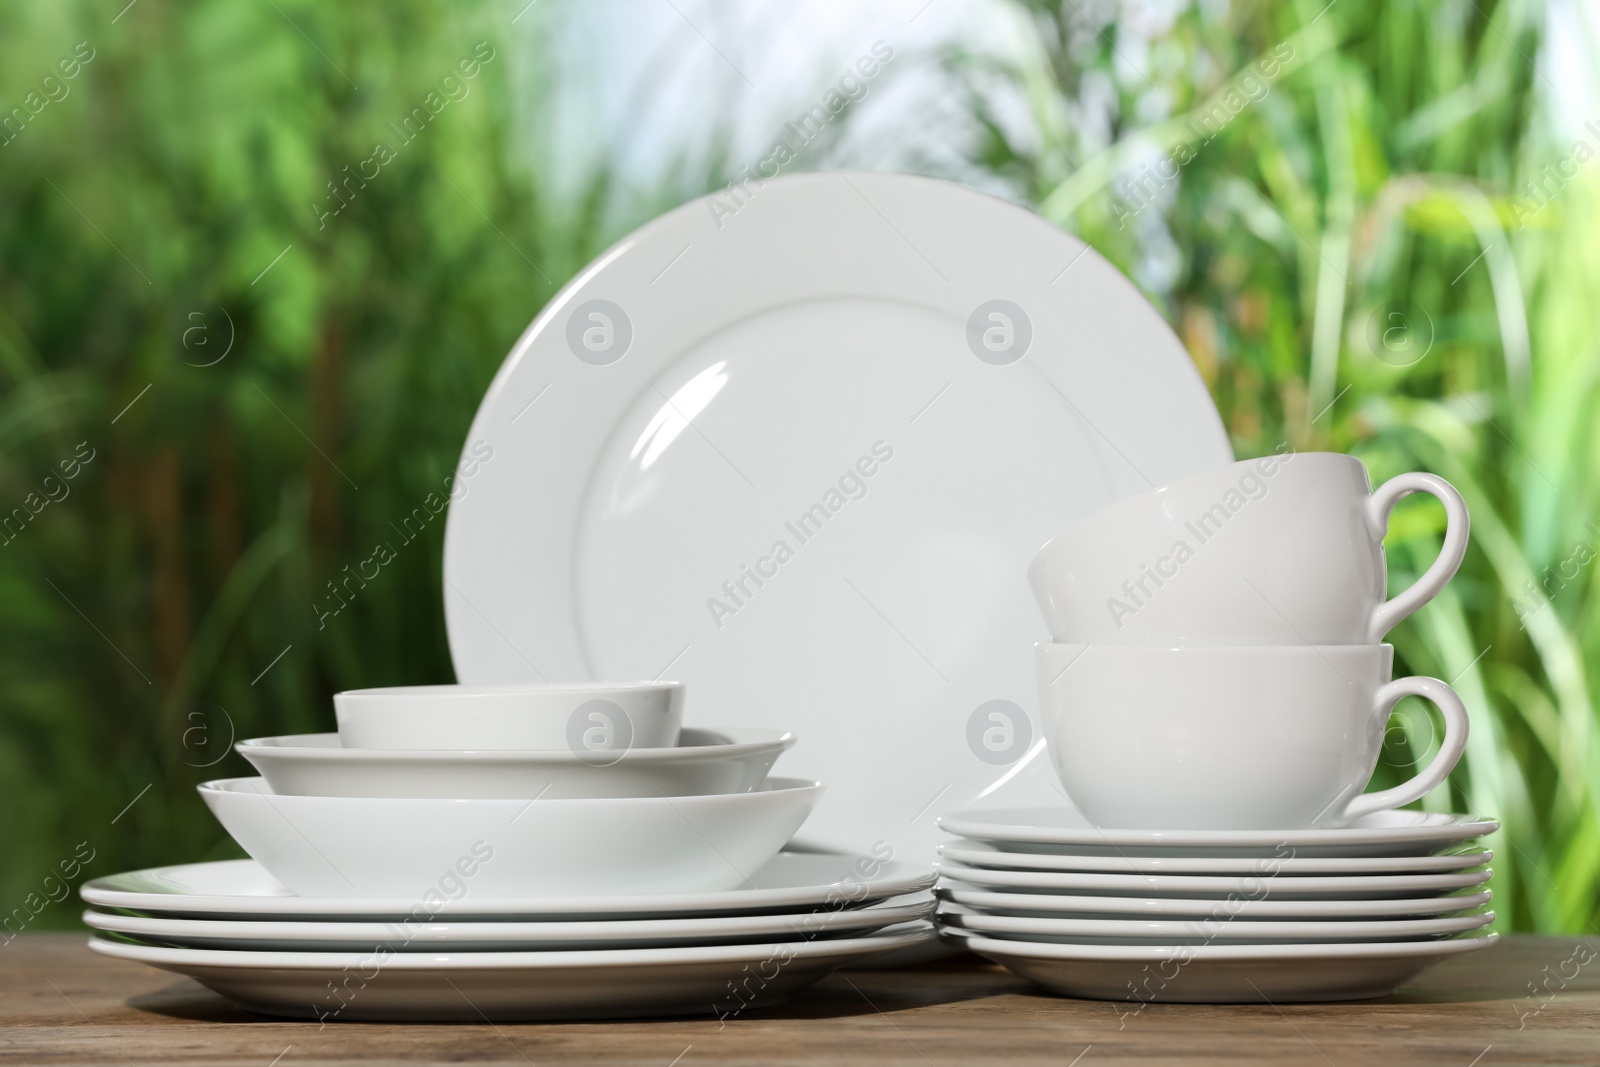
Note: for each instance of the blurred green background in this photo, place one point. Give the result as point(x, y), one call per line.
point(237, 337)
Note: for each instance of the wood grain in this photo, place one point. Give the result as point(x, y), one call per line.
point(61, 1004)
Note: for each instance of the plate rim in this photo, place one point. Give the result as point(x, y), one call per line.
point(968, 823)
point(1304, 951)
point(254, 960)
point(894, 878)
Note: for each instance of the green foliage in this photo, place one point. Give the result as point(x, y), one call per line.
point(1345, 241)
point(168, 206)
point(299, 382)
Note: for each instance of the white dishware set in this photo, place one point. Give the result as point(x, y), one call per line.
point(584, 857)
point(1215, 701)
point(798, 455)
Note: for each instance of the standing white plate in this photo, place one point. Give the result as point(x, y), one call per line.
point(1063, 830)
point(1222, 974)
point(426, 935)
point(242, 889)
point(778, 453)
point(1248, 887)
point(473, 986)
point(1205, 931)
point(1064, 906)
point(977, 854)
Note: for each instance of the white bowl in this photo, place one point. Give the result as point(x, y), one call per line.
point(704, 761)
point(599, 719)
point(438, 851)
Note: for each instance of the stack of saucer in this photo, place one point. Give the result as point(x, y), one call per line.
point(1214, 703)
point(1213, 915)
point(575, 854)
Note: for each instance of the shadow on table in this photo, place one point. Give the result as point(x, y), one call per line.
point(843, 994)
point(189, 1000)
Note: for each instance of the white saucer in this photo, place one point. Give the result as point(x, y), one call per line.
point(906, 384)
point(475, 936)
point(1060, 905)
point(977, 854)
point(1207, 931)
point(704, 762)
point(242, 889)
point(504, 986)
point(1221, 974)
point(1062, 830)
point(1249, 887)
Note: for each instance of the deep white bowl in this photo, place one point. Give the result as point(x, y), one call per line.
point(438, 851)
point(598, 719)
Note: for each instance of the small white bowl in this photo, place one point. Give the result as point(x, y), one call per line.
point(598, 719)
point(704, 761)
point(437, 851)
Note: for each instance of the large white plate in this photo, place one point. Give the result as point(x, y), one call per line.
point(1063, 830)
point(242, 889)
point(1221, 974)
point(1246, 887)
point(474, 986)
point(427, 935)
point(808, 355)
point(1206, 931)
point(1066, 906)
point(704, 761)
point(977, 854)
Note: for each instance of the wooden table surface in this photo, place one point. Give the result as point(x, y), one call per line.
point(1522, 1001)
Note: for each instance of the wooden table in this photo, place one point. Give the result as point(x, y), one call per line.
point(61, 1004)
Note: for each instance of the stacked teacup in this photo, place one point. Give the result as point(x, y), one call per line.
point(1218, 670)
point(549, 851)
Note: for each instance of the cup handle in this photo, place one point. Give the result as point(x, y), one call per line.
point(1457, 526)
point(1455, 742)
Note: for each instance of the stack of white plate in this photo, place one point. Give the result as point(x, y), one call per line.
point(235, 929)
point(606, 878)
point(1212, 915)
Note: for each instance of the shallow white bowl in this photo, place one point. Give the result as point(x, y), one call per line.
point(443, 850)
point(704, 761)
point(591, 718)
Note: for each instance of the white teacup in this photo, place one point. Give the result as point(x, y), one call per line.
point(1282, 550)
point(1230, 737)
point(588, 719)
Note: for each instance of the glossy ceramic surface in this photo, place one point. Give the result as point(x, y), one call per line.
point(1282, 550)
point(703, 761)
point(471, 987)
point(1062, 830)
point(430, 935)
point(1221, 974)
point(1209, 930)
point(977, 854)
point(798, 457)
point(1231, 737)
point(435, 849)
point(242, 889)
point(1243, 887)
point(597, 720)
point(1068, 906)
